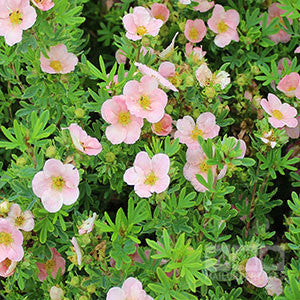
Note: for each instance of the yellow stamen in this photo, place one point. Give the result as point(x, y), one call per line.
point(158, 127)
point(160, 17)
point(151, 179)
point(19, 221)
point(7, 262)
point(58, 183)
point(124, 118)
point(222, 27)
point(144, 102)
point(15, 17)
point(56, 65)
point(49, 265)
point(5, 238)
point(277, 114)
point(195, 133)
point(193, 34)
point(141, 30)
point(204, 167)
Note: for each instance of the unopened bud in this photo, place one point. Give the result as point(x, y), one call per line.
point(79, 113)
point(51, 151)
point(21, 161)
point(110, 157)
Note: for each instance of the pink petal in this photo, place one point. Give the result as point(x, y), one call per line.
point(161, 164)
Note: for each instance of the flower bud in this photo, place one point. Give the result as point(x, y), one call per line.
point(91, 289)
point(79, 113)
point(169, 109)
point(241, 79)
point(74, 281)
point(56, 293)
point(181, 39)
point(196, 113)
point(4, 207)
point(164, 31)
point(189, 80)
point(21, 161)
point(210, 92)
point(83, 298)
point(110, 157)
point(255, 70)
point(51, 151)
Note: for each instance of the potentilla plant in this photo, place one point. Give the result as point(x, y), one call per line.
point(150, 150)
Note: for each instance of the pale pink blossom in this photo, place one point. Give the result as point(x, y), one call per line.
point(56, 185)
point(125, 127)
point(166, 53)
point(268, 139)
point(289, 83)
point(160, 11)
point(148, 175)
point(141, 23)
point(7, 267)
point(203, 75)
point(281, 114)
point(195, 30)
point(15, 16)
point(297, 50)
point(120, 57)
point(145, 70)
point(88, 225)
point(82, 141)
point(144, 99)
point(196, 163)
point(77, 250)
point(273, 12)
point(163, 127)
point(188, 131)
point(43, 4)
point(293, 133)
point(59, 61)
point(21, 220)
point(204, 5)
point(56, 293)
point(131, 289)
point(255, 273)
point(196, 53)
point(185, 2)
point(224, 24)
point(280, 66)
point(51, 266)
point(144, 50)
point(274, 286)
point(222, 78)
point(167, 69)
point(4, 206)
point(11, 240)
point(114, 82)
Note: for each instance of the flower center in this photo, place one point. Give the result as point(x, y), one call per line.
point(5, 238)
point(124, 118)
point(58, 183)
point(7, 262)
point(204, 167)
point(222, 27)
point(15, 17)
point(158, 127)
point(49, 265)
point(277, 114)
point(193, 34)
point(141, 30)
point(56, 65)
point(160, 17)
point(291, 88)
point(151, 179)
point(19, 221)
point(144, 102)
point(195, 133)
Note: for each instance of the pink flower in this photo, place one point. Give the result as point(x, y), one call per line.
point(280, 67)
point(222, 78)
point(51, 266)
point(148, 175)
point(274, 286)
point(224, 24)
point(195, 30)
point(144, 99)
point(297, 50)
point(167, 69)
point(289, 83)
point(281, 114)
point(255, 273)
point(293, 133)
point(56, 293)
point(88, 225)
point(56, 185)
point(188, 131)
point(163, 127)
point(19, 219)
point(121, 56)
point(125, 127)
point(196, 53)
point(7, 267)
point(204, 5)
point(196, 163)
point(145, 50)
point(273, 12)
point(150, 72)
point(11, 240)
point(203, 75)
point(15, 16)
point(43, 4)
point(84, 142)
point(77, 250)
point(268, 139)
point(185, 2)
point(160, 11)
point(131, 289)
point(141, 23)
point(114, 82)
point(59, 61)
